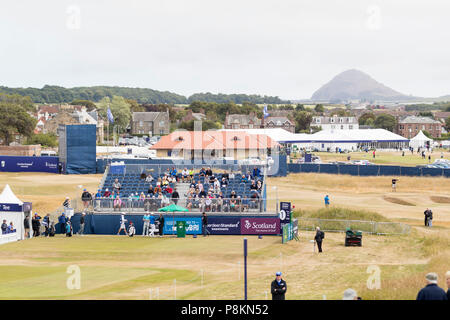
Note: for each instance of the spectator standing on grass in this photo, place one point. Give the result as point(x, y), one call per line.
point(327, 201)
point(320, 235)
point(46, 224)
point(145, 228)
point(62, 222)
point(278, 287)
point(428, 217)
point(447, 279)
point(373, 153)
point(432, 291)
point(4, 227)
point(98, 198)
point(26, 226)
point(36, 224)
point(350, 294)
point(204, 223)
point(161, 225)
point(86, 197)
point(394, 185)
point(82, 220)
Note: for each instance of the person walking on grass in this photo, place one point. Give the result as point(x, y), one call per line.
point(152, 225)
point(394, 185)
point(82, 220)
point(62, 222)
point(278, 287)
point(428, 217)
point(320, 235)
point(122, 225)
point(432, 291)
point(327, 201)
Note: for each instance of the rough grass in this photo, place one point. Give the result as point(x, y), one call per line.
point(339, 213)
point(398, 201)
point(438, 199)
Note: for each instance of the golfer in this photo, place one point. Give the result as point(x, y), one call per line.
point(319, 238)
point(278, 287)
point(122, 224)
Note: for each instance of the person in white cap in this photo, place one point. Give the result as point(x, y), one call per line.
point(278, 288)
point(432, 291)
point(350, 294)
point(122, 224)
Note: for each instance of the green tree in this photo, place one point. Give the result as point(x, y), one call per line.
point(319, 108)
point(385, 121)
point(447, 124)
point(120, 110)
point(302, 120)
point(367, 117)
point(15, 120)
point(299, 107)
point(44, 139)
point(206, 125)
point(428, 114)
point(427, 134)
point(87, 103)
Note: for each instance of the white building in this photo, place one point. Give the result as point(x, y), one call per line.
point(335, 123)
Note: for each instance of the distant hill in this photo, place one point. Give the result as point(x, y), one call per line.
point(355, 84)
point(56, 94)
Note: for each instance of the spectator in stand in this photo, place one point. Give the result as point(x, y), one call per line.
point(233, 201)
point(244, 179)
point(259, 185)
point(432, 291)
point(229, 176)
point(36, 224)
point(116, 185)
point(202, 172)
point(150, 190)
point(107, 194)
point(82, 221)
point(66, 203)
point(208, 172)
point(164, 201)
point(117, 201)
point(173, 172)
point(147, 203)
point(191, 174)
point(185, 175)
point(62, 222)
point(256, 172)
point(253, 186)
point(219, 203)
point(149, 178)
point(86, 197)
point(175, 196)
point(224, 183)
point(4, 227)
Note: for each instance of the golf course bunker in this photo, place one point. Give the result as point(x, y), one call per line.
point(398, 201)
point(440, 199)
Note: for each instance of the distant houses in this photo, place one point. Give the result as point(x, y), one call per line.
point(335, 123)
point(410, 126)
point(150, 123)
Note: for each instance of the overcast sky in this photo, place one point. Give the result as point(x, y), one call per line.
point(287, 48)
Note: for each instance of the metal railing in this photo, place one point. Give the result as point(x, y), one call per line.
point(369, 227)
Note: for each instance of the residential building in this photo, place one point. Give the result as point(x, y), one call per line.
point(196, 116)
point(190, 145)
point(279, 122)
point(335, 123)
point(150, 123)
point(242, 121)
point(410, 126)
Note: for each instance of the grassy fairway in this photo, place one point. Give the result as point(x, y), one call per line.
point(118, 267)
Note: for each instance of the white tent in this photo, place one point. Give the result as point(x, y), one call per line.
point(11, 210)
point(420, 140)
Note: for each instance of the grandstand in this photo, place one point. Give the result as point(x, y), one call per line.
point(230, 193)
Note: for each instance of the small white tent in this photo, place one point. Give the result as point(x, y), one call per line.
point(420, 140)
point(11, 210)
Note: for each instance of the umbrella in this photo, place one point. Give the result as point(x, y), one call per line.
point(173, 208)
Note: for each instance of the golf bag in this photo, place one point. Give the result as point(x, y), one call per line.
point(353, 238)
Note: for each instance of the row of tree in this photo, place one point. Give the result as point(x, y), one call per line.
point(56, 94)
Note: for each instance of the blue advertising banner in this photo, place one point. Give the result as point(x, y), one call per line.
point(11, 207)
point(193, 225)
point(221, 225)
point(29, 164)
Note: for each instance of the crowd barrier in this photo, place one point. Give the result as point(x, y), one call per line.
point(367, 170)
point(108, 224)
point(29, 164)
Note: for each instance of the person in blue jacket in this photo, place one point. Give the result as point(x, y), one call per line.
point(62, 222)
point(432, 291)
point(327, 201)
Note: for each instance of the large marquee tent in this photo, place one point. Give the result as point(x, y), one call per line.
point(420, 141)
point(12, 210)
